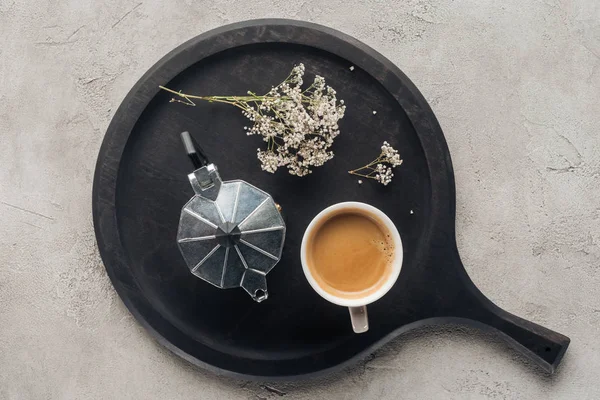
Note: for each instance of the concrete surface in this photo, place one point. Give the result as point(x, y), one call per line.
point(516, 87)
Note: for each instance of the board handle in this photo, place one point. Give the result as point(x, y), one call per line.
point(543, 346)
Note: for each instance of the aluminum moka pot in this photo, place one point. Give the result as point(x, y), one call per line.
point(230, 233)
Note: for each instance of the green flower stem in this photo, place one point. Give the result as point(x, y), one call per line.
point(369, 166)
point(233, 100)
point(362, 175)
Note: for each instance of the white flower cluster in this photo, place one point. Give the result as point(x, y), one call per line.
point(390, 155)
point(383, 174)
point(299, 125)
point(380, 169)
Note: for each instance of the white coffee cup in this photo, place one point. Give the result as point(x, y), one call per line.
point(356, 306)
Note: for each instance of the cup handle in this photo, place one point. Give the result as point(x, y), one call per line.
point(359, 318)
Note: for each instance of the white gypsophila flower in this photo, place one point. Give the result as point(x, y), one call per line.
point(390, 154)
point(380, 169)
point(383, 174)
point(268, 160)
point(298, 125)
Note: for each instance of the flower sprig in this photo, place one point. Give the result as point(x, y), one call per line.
point(380, 169)
point(299, 125)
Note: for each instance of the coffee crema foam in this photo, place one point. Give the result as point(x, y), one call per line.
point(350, 253)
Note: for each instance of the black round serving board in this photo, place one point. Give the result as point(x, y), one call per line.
point(140, 186)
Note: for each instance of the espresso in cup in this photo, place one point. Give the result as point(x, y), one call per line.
point(350, 253)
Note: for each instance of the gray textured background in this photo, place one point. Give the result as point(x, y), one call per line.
point(516, 87)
